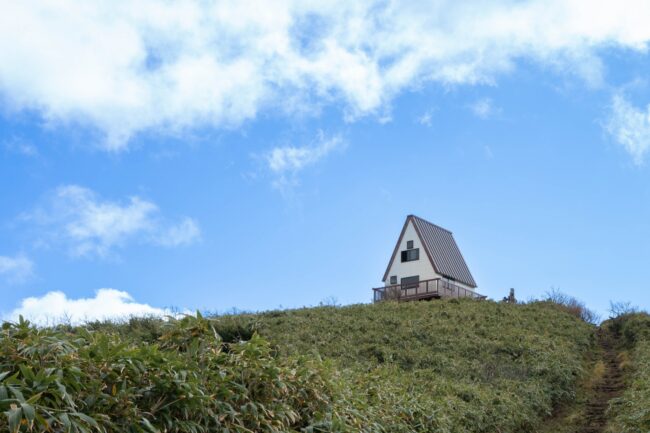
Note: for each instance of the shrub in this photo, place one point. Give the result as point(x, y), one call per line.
point(572, 306)
point(84, 381)
point(620, 309)
point(444, 366)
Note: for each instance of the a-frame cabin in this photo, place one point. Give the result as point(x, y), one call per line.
point(426, 263)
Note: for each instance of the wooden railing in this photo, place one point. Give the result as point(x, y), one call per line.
point(434, 288)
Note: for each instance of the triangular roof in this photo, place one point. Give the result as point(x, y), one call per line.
point(441, 249)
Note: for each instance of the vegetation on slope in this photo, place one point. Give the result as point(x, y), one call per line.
point(189, 381)
point(479, 366)
point(631, 412)
point(447, 366)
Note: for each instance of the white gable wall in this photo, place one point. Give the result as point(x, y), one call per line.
point(421, 267)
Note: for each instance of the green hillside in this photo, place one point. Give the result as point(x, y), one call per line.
point(630, 412)
point(465, 365)
point(443, 366)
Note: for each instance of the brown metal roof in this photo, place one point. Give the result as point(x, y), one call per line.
point(441, 249)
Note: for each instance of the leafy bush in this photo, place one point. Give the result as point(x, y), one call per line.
point(447, 366)
point(84, 381)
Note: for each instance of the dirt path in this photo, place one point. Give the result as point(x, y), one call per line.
point(587, 412)
point(609, 386)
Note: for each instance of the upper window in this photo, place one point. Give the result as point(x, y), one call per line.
point(410, 255)
point(409, 245)
point(393, 279)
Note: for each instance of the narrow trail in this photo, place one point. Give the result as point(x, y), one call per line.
point(609, 386)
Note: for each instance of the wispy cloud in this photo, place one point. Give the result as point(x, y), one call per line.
point(183, 233)
point(16, 268)
point(287, 161)
point(107, 304)
point(89, 225)
point(125, 67)
point(630, 127)
point(484, 108)
point(426, 119)
point(19, 146)
point(292, 159)
point(487, 150)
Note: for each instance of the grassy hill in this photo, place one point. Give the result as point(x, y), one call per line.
point(444, 366)
point(630, 413)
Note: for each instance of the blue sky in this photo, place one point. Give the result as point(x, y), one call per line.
point(201, 156)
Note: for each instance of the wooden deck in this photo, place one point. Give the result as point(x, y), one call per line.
point(426, 289)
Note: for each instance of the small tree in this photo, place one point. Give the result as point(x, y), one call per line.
point(572, 305)
point(620, 308)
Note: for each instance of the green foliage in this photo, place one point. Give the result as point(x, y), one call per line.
point(456, 365)
point(448, 366)
point(631, 412)
point(86, 381)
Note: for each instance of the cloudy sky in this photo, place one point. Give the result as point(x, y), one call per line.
point(252, 155)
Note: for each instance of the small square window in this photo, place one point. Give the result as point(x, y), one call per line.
point(393, 279)
point(409, 245)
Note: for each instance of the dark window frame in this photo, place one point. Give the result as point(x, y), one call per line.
point(393, 279)
point(410, 282)
point(410, 255)
point(409, 245)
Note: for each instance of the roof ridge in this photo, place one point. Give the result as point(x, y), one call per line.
point(428, 222)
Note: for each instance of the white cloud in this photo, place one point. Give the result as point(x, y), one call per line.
point(425, 119)
point(107, 304)
point(293, 159)
point(89, 225)
point(125, 67)
point(287, 161)
point(183, 233)
point(484, 108)
point(16, 268)
point(630, 127)
point(19, 146)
